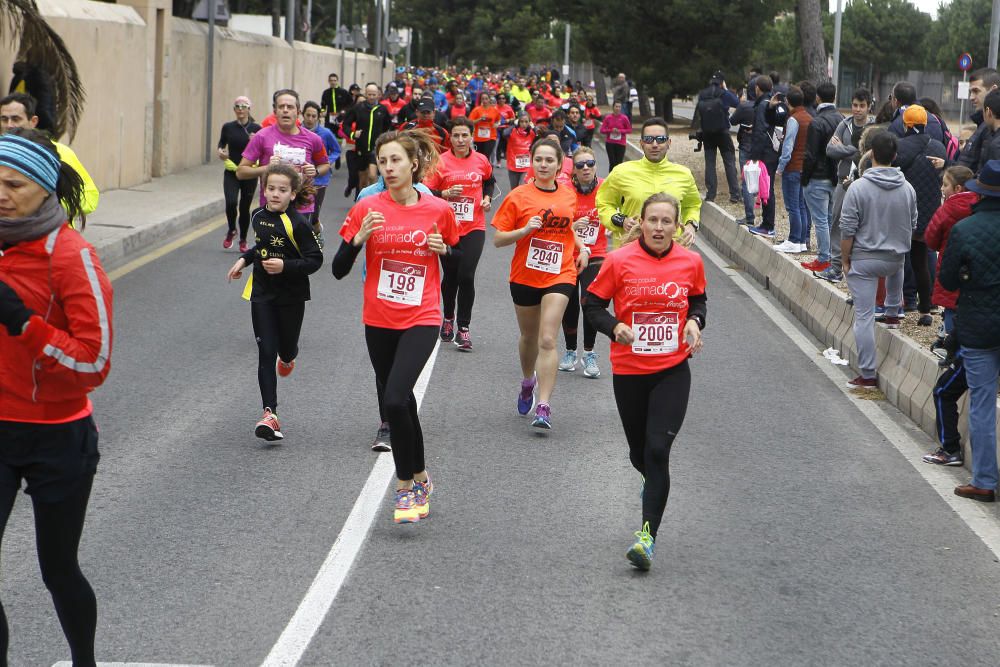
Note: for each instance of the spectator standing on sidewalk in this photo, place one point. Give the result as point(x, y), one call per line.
point(981, 83)
point(619, 93)
point(764, 145)
point(743, 117)
point(793, 153)
point(904, 94)
point(971, 264)
point(711, 121)
point(819, 172)
point(843, 146)
point(877, 222)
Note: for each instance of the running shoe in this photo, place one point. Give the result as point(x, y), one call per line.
point(464, 340)
point(568, 361)
point(422, 492)
point(788, 246)
point(760, 231)
point(268, 428)
point(863, 383)
point(243, 246)
point(830, 274)
point(319, 237)
point(227, 243)
point(406, 507)
point(880, 313)
point(383, 439)
point(448, 331)
point(925, 320)
point(284, 370)
point(526, 399)
point(815, 266)
point(641, 553)
point(943, 457)
point(590, 368)
point(891, 322)
point(543, 417)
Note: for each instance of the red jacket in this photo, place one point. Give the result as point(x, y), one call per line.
point(954, 208)
point(65, 351)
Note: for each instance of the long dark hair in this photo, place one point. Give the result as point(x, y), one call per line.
point(69, 187)
point(301, 186)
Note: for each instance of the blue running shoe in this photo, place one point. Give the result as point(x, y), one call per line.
point(641, 553)
point(543, 417)
point(526, 399)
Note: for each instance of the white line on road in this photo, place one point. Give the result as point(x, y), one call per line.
point(912, 445)
point(308, 618)
point(67, 663)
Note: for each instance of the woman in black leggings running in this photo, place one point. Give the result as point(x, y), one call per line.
point(285, 253)
point(658, 288)
point(55, 347)
point(239, 194)
point(403, 233)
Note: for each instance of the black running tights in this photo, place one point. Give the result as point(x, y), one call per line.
point(277, 331)
point(58, 527)
point(398, 356)
point(652, 409)
point(239, 196)
point(459, 280)
point(571, 318)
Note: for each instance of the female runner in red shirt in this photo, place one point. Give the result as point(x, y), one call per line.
point(519, 142)
point(658, 287)
point(403, 233)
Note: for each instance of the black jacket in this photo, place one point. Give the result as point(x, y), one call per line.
point(934, 128)
point(743, 116)
point(971, 264)
point(334, 104)
point(761, 146)
point(291, 286)
point(370, 122)
point(816, 164)
point(969, 156)
point(911, 158)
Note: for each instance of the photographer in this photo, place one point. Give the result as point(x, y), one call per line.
point(711, 125)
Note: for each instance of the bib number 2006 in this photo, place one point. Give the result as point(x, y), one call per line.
point(655, 333)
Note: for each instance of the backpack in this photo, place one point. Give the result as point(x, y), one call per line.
point(713, 115)
point(951, 147)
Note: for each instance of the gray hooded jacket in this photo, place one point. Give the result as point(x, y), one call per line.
point(880, 213)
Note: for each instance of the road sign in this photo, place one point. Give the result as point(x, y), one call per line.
point(965, 62)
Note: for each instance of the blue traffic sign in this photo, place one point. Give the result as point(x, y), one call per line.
point(965, 62)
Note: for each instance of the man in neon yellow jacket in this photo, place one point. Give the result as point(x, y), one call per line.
point(18, 110)
point(620, 197)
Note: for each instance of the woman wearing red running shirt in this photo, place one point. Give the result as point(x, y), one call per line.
point(487, 119)
point(403, 234)
point(464, 178)
point(458, 107)
point(519, 142)
point(658, 287)
point(538, 219)
point(507, 117)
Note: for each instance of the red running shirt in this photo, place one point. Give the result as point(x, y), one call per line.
point(651, 296)
point(594, 237)
point(403, 284)
point(469, 172)
point(544, 258)
point(519, 149)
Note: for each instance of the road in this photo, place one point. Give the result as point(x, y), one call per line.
point(796, 533)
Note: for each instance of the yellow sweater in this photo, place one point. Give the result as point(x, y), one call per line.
point(631, 183)
point(91, 194)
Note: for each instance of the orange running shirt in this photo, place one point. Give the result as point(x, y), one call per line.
point(485, 121)
point(544, 258)
point(403, 284)
point(469, 172)
point(650, 295)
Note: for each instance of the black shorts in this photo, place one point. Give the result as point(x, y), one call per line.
point(365, 159)
point(523, 295)
point(52, 458)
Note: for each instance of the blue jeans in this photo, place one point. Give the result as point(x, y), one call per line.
point(747, 197)
point(948, 315)
point(795, 204)
point(819, 199)
point(981, 370)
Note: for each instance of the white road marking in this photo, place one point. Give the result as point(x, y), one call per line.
point(308, 618)
point(67, 663)
point(908, 440)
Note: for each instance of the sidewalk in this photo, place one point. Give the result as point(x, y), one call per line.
point(136, 219)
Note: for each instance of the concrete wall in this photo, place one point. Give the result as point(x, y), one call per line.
point(146, 82)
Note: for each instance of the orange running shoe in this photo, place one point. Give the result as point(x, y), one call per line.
point(268, 428)
point(284, 370)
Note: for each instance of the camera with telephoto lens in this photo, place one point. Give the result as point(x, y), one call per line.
point(696, 136)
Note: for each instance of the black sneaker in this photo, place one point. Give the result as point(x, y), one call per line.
point(383, 440)
point(925, 321)
point(943, 458)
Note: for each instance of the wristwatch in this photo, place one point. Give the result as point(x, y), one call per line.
point(694, 224)
point(697, 320)
point(618, 219)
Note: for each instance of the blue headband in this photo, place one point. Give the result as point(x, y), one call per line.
point(31, 159)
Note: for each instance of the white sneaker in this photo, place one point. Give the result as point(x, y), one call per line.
point(569, 361)
point(787, 246)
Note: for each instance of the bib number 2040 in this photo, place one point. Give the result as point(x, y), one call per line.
point(545, 256)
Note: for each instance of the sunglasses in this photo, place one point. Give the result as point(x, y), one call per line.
point(584, 163)
point(241, 106)
point(660, 139)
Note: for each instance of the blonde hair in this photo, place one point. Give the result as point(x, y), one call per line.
point(418, 145)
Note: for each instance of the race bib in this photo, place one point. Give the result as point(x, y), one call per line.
point(655, 333)
point(590, 233)
point(464, 208)
point(522, 161)
point(401, 282)
point(483, 133)
point(293, 155)
point(616, 134)
point(545, 256)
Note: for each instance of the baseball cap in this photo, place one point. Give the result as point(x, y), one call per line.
point(914, 115)
point(425, 104)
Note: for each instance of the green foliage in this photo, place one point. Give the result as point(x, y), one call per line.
point(886, 33)
point(962, 25)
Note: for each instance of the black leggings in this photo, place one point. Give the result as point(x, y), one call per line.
point(948, 391)
point(502, 136)
point(353, 165)
point(318, 203)
point(459, 278)
point(277, 331)
point(571, 318)
point(398, 356)
point(652, 409)
point(516, 178)
point(486, 148)
point(239, 194)
point(922, 274)
point(616, 154)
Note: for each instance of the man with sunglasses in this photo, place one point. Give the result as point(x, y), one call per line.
point(620, 197)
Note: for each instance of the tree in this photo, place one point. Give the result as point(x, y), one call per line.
point(810, 22)
point(962, 26)
point(886, 34)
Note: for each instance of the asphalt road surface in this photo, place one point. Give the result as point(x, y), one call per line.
point(796, 534)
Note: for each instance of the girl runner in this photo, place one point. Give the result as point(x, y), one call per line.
point(487, 119)
point(519, 142)
point(616, 127)
point(588, 227)
point(507, 117)
point(239, 194)
point(658, 287)
point(403, 233)
point(465, 179)
point(538, 218)
point(458, 107)
point(285, 253)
